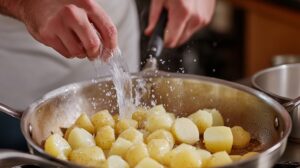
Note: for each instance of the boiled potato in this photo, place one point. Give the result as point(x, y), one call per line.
point(184, 146)
point(218, 138)
point(158, 109)
point(84, 122)
point(124, 124)
point(172, 116)
point(67, 133)
point(148, 163)
point(202, 119)
point(217, 117)
point(185, 131)
point(248, 155)
point(169, 155)
point(120, 147)
point(162, 134)
point(57, 146)
point(132, 135)
point(185, 158)
point(115, 161)
point(105, 137)
point(158, 121)
point(158, 148)
point(204, 155)
point(140, 116)
point(235, 158)
point(219, 159)
point(116, 117)
point(79, 137)
point(136, 153)
point(103, 118)
point(241, 137)
point(92, 156)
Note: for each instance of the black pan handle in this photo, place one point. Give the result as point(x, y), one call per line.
point(156, 42)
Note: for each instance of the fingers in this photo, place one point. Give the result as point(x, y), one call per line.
point(58, 45)
point(79, 23)
point(155, 10)
point(193, 25)
point(105, 27)
point(178, 18)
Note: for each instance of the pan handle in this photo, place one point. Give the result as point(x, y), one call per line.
point(10, 111)
point(11, 158)
point(290, 106)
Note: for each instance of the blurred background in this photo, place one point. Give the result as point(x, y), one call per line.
point(244, 36)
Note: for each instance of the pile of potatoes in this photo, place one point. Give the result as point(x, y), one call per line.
point(152, 138)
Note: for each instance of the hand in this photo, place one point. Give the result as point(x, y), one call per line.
point(185, 17)
point(70, 26)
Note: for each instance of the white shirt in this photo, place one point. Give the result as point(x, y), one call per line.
point(29, 69)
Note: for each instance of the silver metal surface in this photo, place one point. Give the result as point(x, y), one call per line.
point(10, 158)
point(10, 111)
point(283, 84)
point(180, 94)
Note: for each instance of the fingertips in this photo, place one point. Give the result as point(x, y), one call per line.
point(155, 11)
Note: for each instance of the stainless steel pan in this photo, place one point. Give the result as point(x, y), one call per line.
point(283, 84)
point(267, 121)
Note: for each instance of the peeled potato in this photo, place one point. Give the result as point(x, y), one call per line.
point(158, 121)
point(91, 156)
point(248, 155)
point(133, 135)
point(184, 147)
point(219, 159)
point(57, 146)
point(105, 137)
point(115, 161)
point(169, 155)
point(102, 118)
point(148, 163)
point(185, 131)
point(202, 119)
point(241, 137)
point(217, 117)
point(140, 116)
point(185, 158)
point(67, 133)
point(204, 155)
point(218, 138)
point(162, 134)
point(136, 153)
point(124, 124)
point(84, 122)
point(79, 138)
point(116, 117)
point(158, 109)
point(235, 158)
point(158, 148)
point(120, 147)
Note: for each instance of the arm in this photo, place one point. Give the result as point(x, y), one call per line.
point(184, 19)
point(68, 26)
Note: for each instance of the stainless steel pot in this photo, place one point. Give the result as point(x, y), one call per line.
point(283, 84)
point(266, 120)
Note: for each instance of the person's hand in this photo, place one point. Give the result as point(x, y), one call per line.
point(70, 26)
point(185, 17)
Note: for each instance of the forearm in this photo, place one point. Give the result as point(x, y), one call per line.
point(13, 8)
